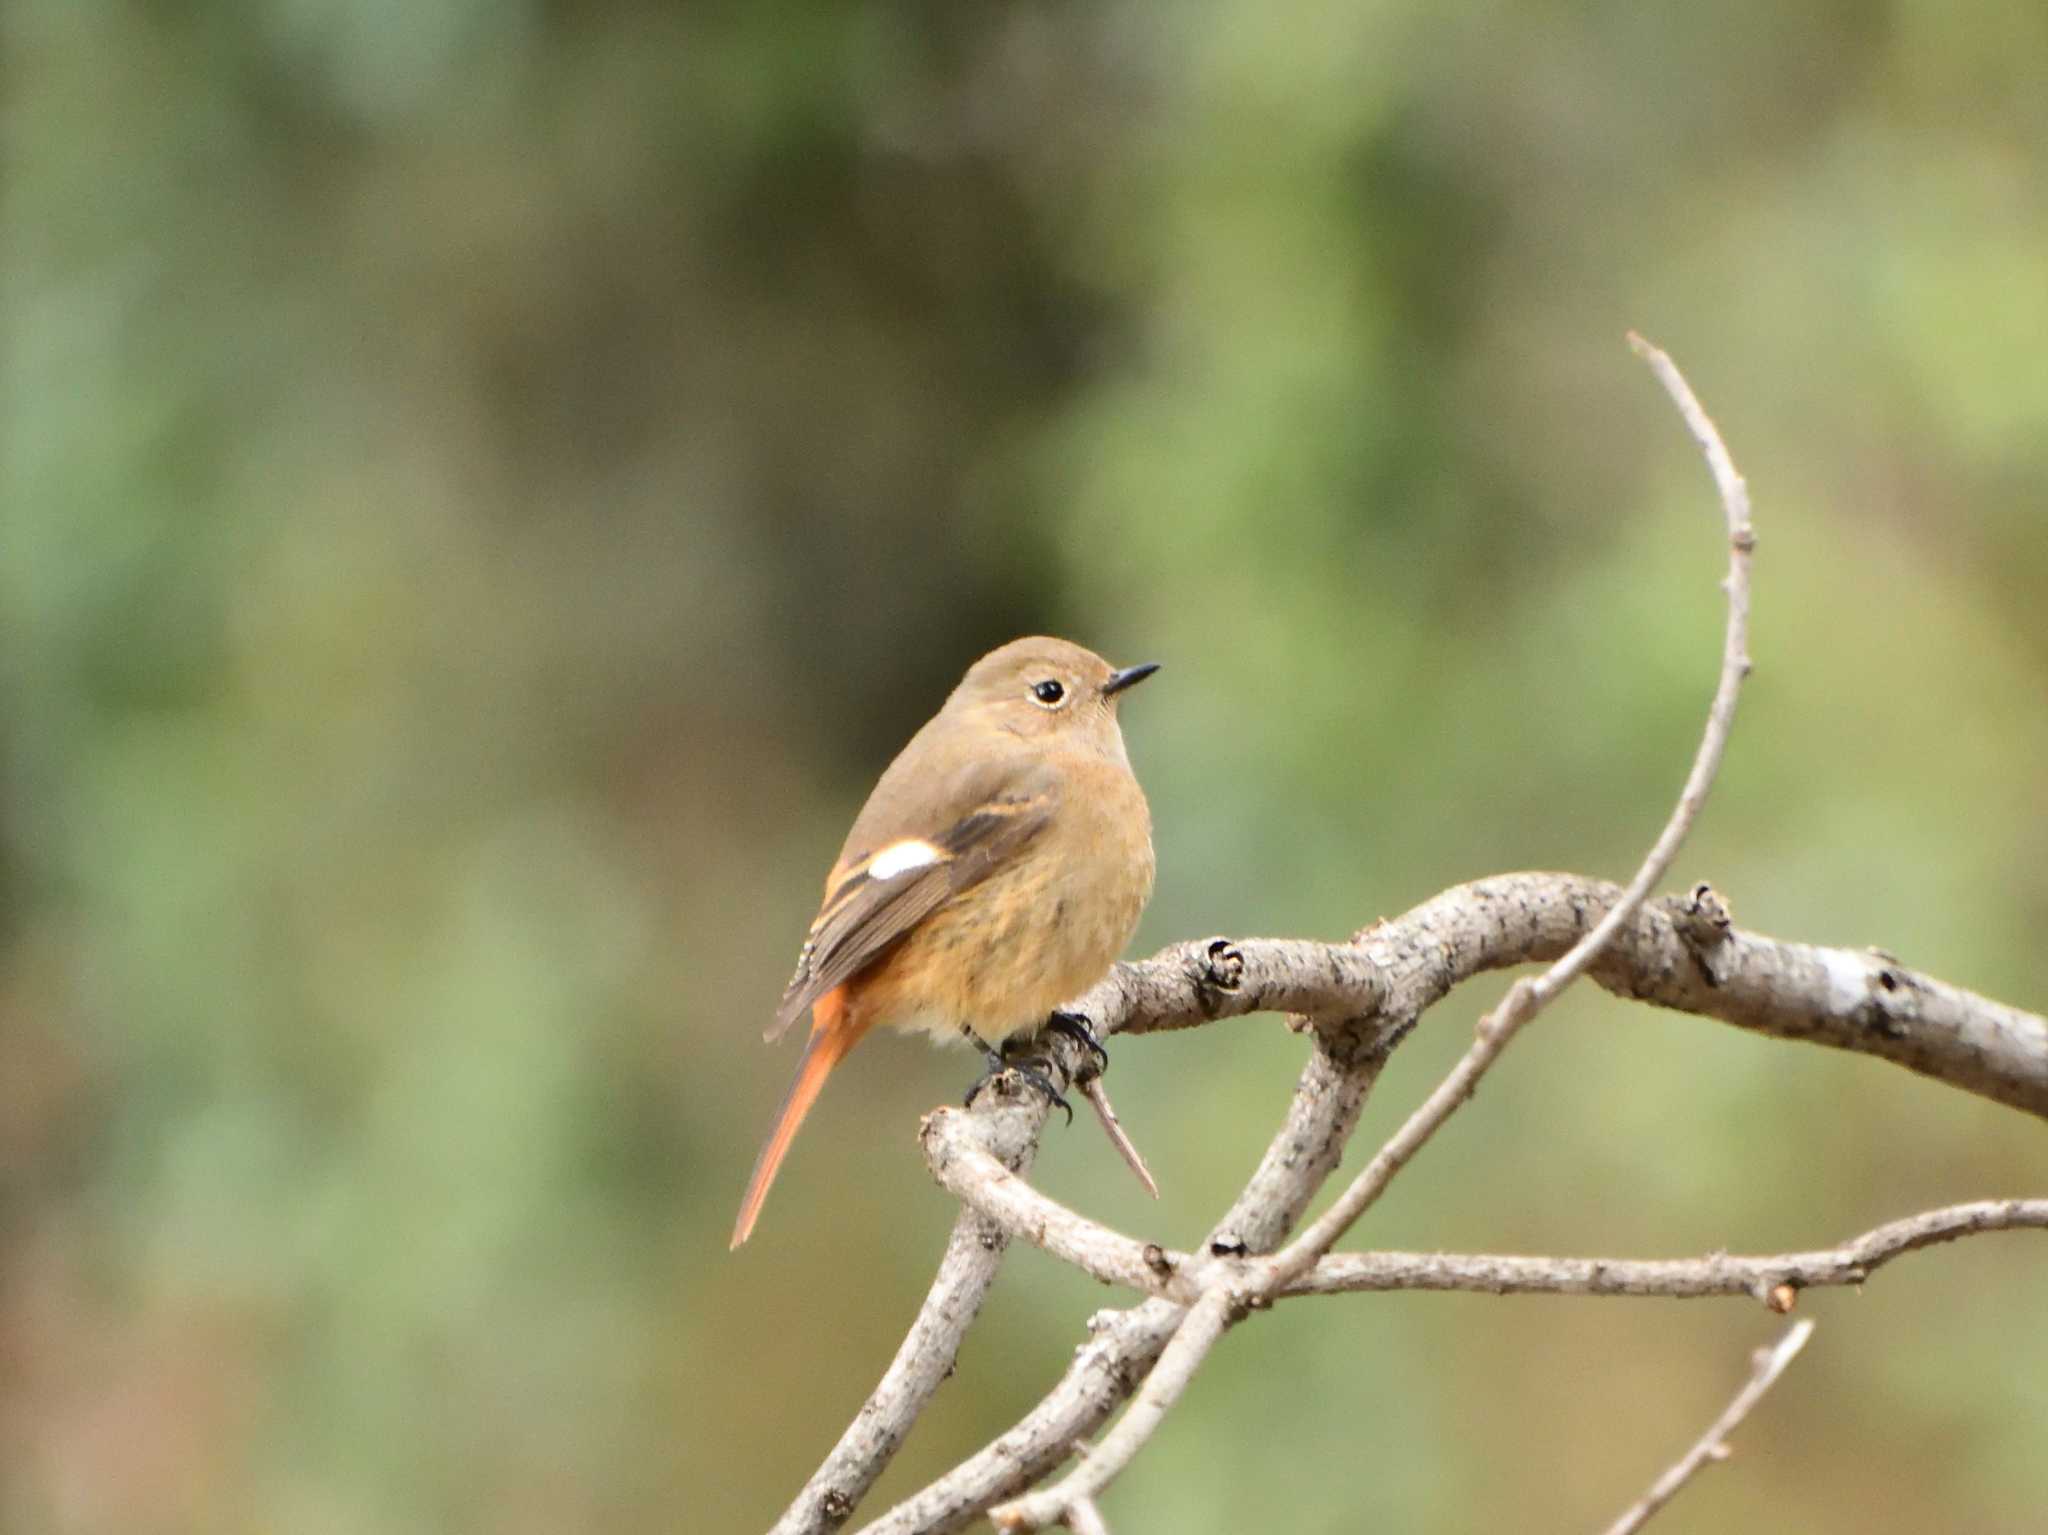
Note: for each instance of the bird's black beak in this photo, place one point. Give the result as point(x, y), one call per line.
point(1129, 676)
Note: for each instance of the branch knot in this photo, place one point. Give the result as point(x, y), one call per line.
point(1219, 973)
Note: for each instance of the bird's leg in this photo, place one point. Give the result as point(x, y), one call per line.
point(998, 1063)
point(1078, 1029)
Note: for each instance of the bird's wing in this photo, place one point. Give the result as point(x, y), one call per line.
point(900, 868)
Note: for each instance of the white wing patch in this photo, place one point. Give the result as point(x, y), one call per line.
point(901, 857)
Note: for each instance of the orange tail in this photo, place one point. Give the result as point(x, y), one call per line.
point(832, 1035)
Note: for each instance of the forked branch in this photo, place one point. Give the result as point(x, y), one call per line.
point(1233, 1295)
point(1355, 1001)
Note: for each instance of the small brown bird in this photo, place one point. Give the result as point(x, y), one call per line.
point(998, 869)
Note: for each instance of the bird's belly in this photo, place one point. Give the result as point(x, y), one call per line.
point(1000, 958)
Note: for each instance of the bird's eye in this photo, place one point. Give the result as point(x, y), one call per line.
point(1048, 693)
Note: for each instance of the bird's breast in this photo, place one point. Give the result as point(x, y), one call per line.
point(1035, 933)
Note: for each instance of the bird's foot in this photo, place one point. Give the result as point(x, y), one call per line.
point(998, 1063)
point(1078, 1029)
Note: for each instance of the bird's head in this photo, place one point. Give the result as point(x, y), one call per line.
point(1049, 689)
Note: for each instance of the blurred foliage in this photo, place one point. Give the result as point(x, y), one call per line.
point(487, 486)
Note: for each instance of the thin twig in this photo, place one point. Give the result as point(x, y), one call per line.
point(1192, 1340)
point(1775, 1278)
point(1194, 980)
point(1098, 1099)
point(1527, 998)
point(1108, 1255)
point(1103, 1373)
point(1084, 1518)
point(1711, 1446)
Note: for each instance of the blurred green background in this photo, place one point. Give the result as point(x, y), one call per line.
point(487, 487)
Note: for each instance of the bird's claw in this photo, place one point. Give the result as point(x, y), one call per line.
point(999, 1063)
point(1077, 1028)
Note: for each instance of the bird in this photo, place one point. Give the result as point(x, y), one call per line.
point(998, 868)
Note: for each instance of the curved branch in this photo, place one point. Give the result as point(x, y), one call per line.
point(990, 1189)
point(1009, 1203)
point(1004, 1131)
point(1188, 984)
point(1528, 998)
point(1678, 953)
point(1861, 1000)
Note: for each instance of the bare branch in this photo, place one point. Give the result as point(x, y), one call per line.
point(1004, 1131)
point(1105, 1371)
point(1849, 999)
point(1768, 1366)
point(992, 1190)
point(1860, 1000)
point(1124, 1346)
point(1733, 489)
point(1226, 1297)
point(1358, 999)
point(989, 1188)
point(1187, 984)
point(1192, 1340)
point(1528, 998)
point(1098, 1099)
point(1719, 1274)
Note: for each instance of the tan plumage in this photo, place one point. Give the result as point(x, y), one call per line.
point(998, 869)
